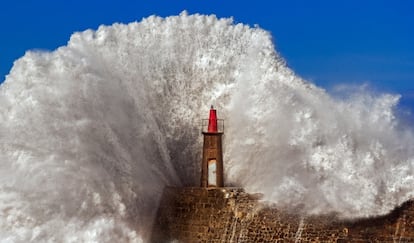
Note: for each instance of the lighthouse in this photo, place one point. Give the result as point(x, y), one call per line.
point(212, 163)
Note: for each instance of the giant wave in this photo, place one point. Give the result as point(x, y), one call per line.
point(92, 132)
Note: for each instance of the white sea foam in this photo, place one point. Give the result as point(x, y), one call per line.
point(91, 132)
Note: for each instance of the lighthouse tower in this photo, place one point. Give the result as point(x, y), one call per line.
point(212, 163)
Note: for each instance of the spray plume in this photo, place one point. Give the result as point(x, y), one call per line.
point(91, 132)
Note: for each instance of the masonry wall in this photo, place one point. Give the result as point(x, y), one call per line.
point(231, 215)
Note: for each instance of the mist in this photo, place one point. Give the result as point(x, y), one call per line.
point(92, 132)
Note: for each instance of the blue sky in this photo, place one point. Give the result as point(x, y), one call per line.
point(325, 42)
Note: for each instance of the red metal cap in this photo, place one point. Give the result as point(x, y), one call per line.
point(212, 120)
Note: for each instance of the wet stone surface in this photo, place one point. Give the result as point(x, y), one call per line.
point(231, 215)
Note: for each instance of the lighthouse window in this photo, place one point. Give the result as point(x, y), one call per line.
point(212, 175)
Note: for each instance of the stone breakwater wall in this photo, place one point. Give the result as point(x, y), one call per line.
point(231, 215)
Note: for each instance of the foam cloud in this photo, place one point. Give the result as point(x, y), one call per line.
point(92, 132)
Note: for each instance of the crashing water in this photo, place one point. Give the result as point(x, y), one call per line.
point(91, 132)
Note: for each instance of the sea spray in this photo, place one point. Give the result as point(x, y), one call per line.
point(91, 132)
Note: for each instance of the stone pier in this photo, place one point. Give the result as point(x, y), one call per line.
point(232, 215)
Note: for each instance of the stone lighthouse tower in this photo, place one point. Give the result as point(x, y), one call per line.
point(212, 163)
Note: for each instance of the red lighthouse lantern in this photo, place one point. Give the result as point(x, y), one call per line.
point(212, 163)
point(212, 120)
